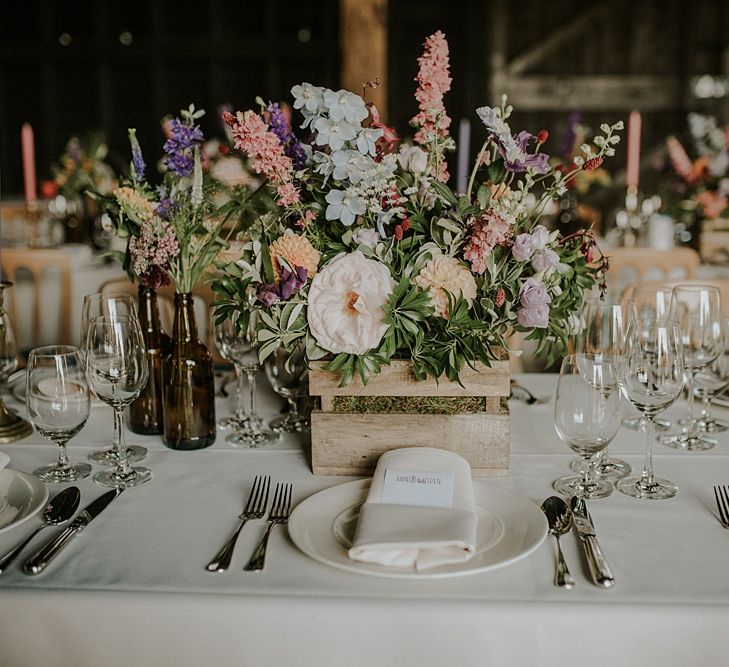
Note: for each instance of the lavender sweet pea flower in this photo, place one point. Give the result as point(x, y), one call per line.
point(517, 159)
point(533, 318)
point(524, 247)
point(533, 294)
point(267, 294)
point(291, 282)
point(545, 259)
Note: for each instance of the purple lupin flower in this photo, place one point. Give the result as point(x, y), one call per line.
point(179, 147)
point(281, 128)
point(138, 165)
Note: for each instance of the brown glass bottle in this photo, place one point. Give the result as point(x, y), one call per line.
point(145, 414)
point(189, 387)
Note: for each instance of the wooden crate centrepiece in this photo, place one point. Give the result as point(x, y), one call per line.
point(349, 442)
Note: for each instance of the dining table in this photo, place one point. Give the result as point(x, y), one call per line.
point(133, 588)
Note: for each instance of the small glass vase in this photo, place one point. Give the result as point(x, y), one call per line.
point(188, 384)
point(145, 414)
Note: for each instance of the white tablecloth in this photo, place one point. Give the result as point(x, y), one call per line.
point(133, 589)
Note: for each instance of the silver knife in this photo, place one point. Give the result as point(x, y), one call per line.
point(599, 568)
point(38, 562)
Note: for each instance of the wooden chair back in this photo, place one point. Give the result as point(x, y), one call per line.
point(18, 263)
point(630, 265)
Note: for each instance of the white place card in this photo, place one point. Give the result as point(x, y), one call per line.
point(416, 487)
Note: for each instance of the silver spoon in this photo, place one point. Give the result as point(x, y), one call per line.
point(61, 508)
point(559, 518)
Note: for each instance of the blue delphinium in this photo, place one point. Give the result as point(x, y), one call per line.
point(180, 147)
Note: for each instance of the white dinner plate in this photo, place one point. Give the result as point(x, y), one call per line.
point(25, 495)
point(510, 527)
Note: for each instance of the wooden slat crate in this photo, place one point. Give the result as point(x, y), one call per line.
point(349, 443)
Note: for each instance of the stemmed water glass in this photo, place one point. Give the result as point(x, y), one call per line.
point(697, 310)
point(586, 417)
point(287, 372)
point(603, 328)
point(241, 347)
point(57, 399)
point(117, 371)
point(651, 379)
point(225, 340)
point(112, 306)
point(653, 301)
point(710, 382)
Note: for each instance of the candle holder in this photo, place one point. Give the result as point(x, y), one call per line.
point(629, 220)
point(12, 426)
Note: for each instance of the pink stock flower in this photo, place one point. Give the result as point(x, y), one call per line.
point(713, 203)
point(434, 81)
point(252, 136)
point(487, 231)
point(680, 160)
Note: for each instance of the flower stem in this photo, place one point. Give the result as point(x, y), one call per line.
point(481, 153)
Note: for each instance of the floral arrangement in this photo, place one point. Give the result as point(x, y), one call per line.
point(173, 230)
point(82, 166)
point(370, 255)
point(699, 186)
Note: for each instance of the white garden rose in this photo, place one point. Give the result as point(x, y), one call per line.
point(345, 304)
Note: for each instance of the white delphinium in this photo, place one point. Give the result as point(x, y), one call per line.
point(345, 205)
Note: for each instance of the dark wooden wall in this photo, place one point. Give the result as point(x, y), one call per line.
point(181, 51)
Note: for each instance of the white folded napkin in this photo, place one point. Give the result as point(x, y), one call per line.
point(419, 511)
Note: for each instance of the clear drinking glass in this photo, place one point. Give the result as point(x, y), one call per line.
point(117, 371)
point(603, 328)
point(57, 399)
point(710, 382)
point(288, 374)
point(112, 305)
point(241, 347)
point(586, 417)
point(651, 379)
point(697, 309)
point(225, 340)
point(652, 301)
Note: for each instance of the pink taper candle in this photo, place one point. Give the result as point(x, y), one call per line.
point(633, 171)
point(27, 142)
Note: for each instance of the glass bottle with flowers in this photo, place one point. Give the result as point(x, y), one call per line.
point(174, 236)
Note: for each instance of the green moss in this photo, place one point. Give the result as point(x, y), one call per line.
point(438, 405)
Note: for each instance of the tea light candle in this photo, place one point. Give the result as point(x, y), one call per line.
point(633, 170)
point(27, 142)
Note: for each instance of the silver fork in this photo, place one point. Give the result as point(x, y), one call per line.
point(255, 509)
point(280, 510)
point(722, 502)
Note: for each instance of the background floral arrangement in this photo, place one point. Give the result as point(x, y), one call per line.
point(173, 230)
point(698, 187)
point(370, 254)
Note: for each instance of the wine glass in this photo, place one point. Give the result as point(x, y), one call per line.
point(225, 337)
point(650, 301)
point(697, 309)
point(112, 305)
point(651, 379)
point(710, 382)
point(586, 417)
point(288, 374)
point(57, 398)
point(117, 371)
point(238, 338)
point(603, 327)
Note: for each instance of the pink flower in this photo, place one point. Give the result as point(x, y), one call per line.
point(533, 318)
point(288, 194)
point(153, 249)
point(252, 136)
point(434, 81)
point(712, 203)
point(487, 231)
point(524, 247)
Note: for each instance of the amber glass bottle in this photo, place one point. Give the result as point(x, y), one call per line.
point(189, 387)
point(145, 414)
